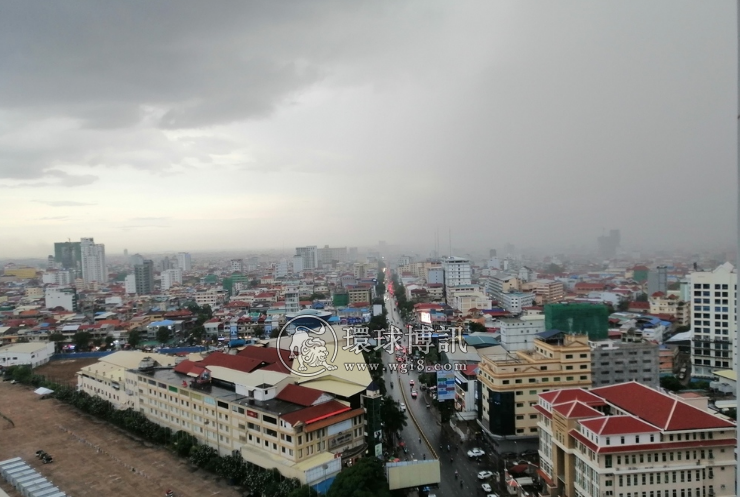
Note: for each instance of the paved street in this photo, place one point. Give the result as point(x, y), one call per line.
point(428, 419)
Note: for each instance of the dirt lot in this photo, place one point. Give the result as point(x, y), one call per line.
point(64, 371)
point(90, 456)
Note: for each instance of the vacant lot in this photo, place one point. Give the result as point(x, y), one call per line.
point(64, 371)
point(90, 456)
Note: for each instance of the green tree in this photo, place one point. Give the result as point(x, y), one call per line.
point(304, 491)
point(365, 479)
point(163, 334)
point(623, 305)
point(81, 340)
point(553, 269)
point(259, 331)
point(671, 383)
point(275, 332)
point(57, 338)
point(109, 342)
point(134, 338)
point(394, 419)
point(641, 297)
point(476, 327)
point(731, 413)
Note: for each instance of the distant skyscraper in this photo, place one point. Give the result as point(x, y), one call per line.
point(137, 259)
point(657, 280)
point(168, 263)
point(93, 261)
point(297, 264)
point(144, 277)
point(309, 256)
point(68, 254)
point(170, 278)
point(491, 253)
point(608, 245)
point(130, 283)
point(237, 265)
point(183, 261)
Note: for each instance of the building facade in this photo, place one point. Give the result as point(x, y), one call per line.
point(309, 257)
point(184, 261)
point(629, 440)
point(144, 274)
point(61, 297)
point(170, 278)
point(511, 384)
point(519, 333)
point(714, 320)
point(615, 362)
point(93, 264)
point(457, 272)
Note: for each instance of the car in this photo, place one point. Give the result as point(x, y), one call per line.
point(414, 394)
point(411, 383)
point(402, 406)
point(476, 452)
point(486, 487)
point(484, 475)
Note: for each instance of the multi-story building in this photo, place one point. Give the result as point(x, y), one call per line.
point(683, 313)
point(297, 264)
point(236, 265)
point(69, 255)
point(519, 333)
point(144, 274)
point(62, 277)
point(210, 297)
point(714, 320)
point(61, 297)
point(309, 256)
point(464, 301)
point(545, 291)
point(328, 255)
point(515, 302)
point(170, 278)
point(629, 440)
point(184, 261)
point(292, 301)
point(457, 272)
point(234, 404)
point(661, 303)
point(502, 283)
point(615, 362)
point(33, 354)
point(360, 294)
point(511, 383)
point(93, 264)
point(129, 284)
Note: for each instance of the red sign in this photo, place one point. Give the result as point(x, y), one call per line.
point(252, 414)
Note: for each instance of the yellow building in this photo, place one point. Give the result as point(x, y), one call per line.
point(511, 383)
point(26, 273)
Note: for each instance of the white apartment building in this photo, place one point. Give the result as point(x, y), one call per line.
point(292, 301)
point(210, 297)
point(713, 314)
point(170, 278)
point(516, 301)
point(130, 284)
point(62, 277)
point(457, 271)
point(236, 265)
point(184, 262)
point(629, 440)
point(94, 268)
point(281, 269)
point(310, 258)
point(466, 300)
point(435, 276)
point(519, 333)
point(61, 297)
point(297, 264)
point(502, 283)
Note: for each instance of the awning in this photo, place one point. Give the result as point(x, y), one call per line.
point(43, 391)
point(546, 478)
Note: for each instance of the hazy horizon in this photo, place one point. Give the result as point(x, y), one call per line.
point(157, 126)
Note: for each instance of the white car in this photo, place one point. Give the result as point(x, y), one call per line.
point(484, 475)
point(476, 452)
point(402, 406)
point(491, 495)
point(486, 487)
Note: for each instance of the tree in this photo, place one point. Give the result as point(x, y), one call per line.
point(671, 383)
point(553, 269)
point(393, 417)
point(641, 297)
point(163, 334)
point(304, 491)
point(259, 331)
point(275, 333)
point(57, 338)
point(134, 338)
point(81, 340)
point(365, 479)
point(476, 327)
point(623, 305)
point(109, 342)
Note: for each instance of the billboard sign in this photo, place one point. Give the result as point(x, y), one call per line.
point(233, 331)
point(425, 317)
point(445, 385)
point(377, 310)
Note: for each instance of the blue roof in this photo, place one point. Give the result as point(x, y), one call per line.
point(548, 333)
point(166, 322)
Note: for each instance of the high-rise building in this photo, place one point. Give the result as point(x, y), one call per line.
point(297, 264)
point(457, 271)
point(328, 255)
point(310, 257)
point(137, 259)
point(61, 297)
point(168, 263)
point(92, 255)
point(144, 277)
point(170, 278)
point(68, 254)
point(657, 280)
point(130, 284)
point(184, 262)
point(281, 269)
point(591, 319)
point(608, 244)
point(714, 323)
point(629, 440)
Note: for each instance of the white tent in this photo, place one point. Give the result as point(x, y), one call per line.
point(43, 391)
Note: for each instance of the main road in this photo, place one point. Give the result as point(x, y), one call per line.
point(430, 429)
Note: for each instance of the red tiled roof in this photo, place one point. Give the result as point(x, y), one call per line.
point(612, 449)
point(618, 425)
point(266, 354)
point(303, 396)
point(661, 410)
point(639, 305)
point(316, 413)
point(189, 368)
point(658, 294)
point(576, 409)
point(277, 367)
point(555, 397)
point(236, 362)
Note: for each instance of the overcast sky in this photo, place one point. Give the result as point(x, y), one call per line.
point(195, 125)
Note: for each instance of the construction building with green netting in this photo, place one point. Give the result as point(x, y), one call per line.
point(574, 319)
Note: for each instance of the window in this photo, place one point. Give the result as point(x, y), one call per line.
point(608, 461)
